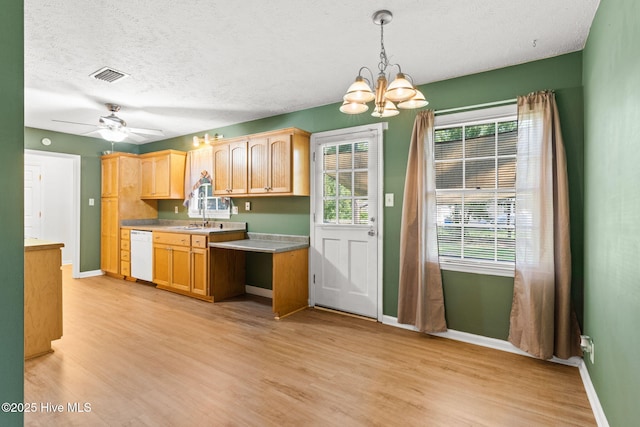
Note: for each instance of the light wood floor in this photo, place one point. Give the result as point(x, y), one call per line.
point(140, 356)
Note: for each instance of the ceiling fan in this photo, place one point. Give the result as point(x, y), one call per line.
point(112, 128)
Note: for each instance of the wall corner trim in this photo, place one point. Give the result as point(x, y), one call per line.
point(598, 412)
point(85, 274)
point(503, 345)
point(262, 292)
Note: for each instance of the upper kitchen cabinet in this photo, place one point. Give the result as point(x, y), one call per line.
point(267, 164)
point(230, 167)
point(279, 163)
point(162, 175)
point(110, 176)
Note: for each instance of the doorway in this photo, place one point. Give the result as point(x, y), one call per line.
point(346, 220)
point(52, 201)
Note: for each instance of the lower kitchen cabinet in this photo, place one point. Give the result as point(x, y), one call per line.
point(171, 261)
point(199, 266)
point(125, 253)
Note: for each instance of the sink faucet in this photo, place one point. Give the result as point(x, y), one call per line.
point(202, 198)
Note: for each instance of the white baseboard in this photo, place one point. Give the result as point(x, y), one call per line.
point(508, 347)
point(598, 412)
point(262, 292)
point(85, 274)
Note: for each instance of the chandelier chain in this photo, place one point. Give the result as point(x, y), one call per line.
point(384, 61)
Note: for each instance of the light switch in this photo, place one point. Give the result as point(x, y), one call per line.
point(388, 200)
point(234, 210)
point(92, 202)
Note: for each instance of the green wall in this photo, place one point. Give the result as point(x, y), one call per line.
point(89, 150)
point(463, 291)
point(612, 205)
point(11, 209)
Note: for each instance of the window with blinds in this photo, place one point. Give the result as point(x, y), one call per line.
point(345, 177)
point(475, 165)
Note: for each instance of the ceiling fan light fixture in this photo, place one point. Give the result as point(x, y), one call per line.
point(113, 135)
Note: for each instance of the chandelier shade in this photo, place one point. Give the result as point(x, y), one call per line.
point(359, 91)
point(417, 101)
point(401, 90)
point(388, 109)
point(353, 107)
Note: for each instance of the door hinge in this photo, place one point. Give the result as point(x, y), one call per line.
point(314, 156)
point(40, 177)
point(314, 279)
point(314, 217)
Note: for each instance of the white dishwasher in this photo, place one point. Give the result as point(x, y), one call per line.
point(142, 255)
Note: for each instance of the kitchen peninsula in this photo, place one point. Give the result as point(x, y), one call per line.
point(42, 296)
point(290, 267)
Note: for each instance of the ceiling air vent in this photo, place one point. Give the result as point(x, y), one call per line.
point(109, 75)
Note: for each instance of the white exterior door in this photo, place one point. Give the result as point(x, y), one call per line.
point(346, 223)
point(32, 201)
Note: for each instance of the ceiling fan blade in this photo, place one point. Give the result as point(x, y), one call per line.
point(93, 133)
point(155, 132)
point(136, 138)
point(73, 123)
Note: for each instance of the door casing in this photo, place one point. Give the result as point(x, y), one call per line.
point(336, 135)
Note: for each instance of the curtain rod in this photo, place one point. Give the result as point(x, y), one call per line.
point(473, 107)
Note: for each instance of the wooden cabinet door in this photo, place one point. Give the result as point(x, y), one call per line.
point(162, 176)
point(180, 268)
point(221, 185)
point(258, 165)
point(238, 167)
point(200, 271)
point(109, 235)
point(110, 177)
point(280, 163)
point(161, 264)
point(147, 185)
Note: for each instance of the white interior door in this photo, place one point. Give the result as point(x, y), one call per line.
point(52, 201)
point(346, 240)
point(32, 201)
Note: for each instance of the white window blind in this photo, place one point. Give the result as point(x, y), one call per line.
point(475, 164)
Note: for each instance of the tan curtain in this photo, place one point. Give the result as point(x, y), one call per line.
point(420, 296)
point(541, 316)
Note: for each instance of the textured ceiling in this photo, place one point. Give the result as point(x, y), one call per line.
point(196, 65)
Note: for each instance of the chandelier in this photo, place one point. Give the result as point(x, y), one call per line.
point(401, 93)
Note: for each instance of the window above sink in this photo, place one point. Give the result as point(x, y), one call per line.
point(215, 207)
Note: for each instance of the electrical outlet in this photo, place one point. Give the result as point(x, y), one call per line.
point(247, 206)
point(587, 346)
point(92, 202)
point(234, 210)
point(175, 209)
point(388, 200)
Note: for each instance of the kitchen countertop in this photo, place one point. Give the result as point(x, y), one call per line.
point(40, 245)
point(264, 242)
point(168, 226)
